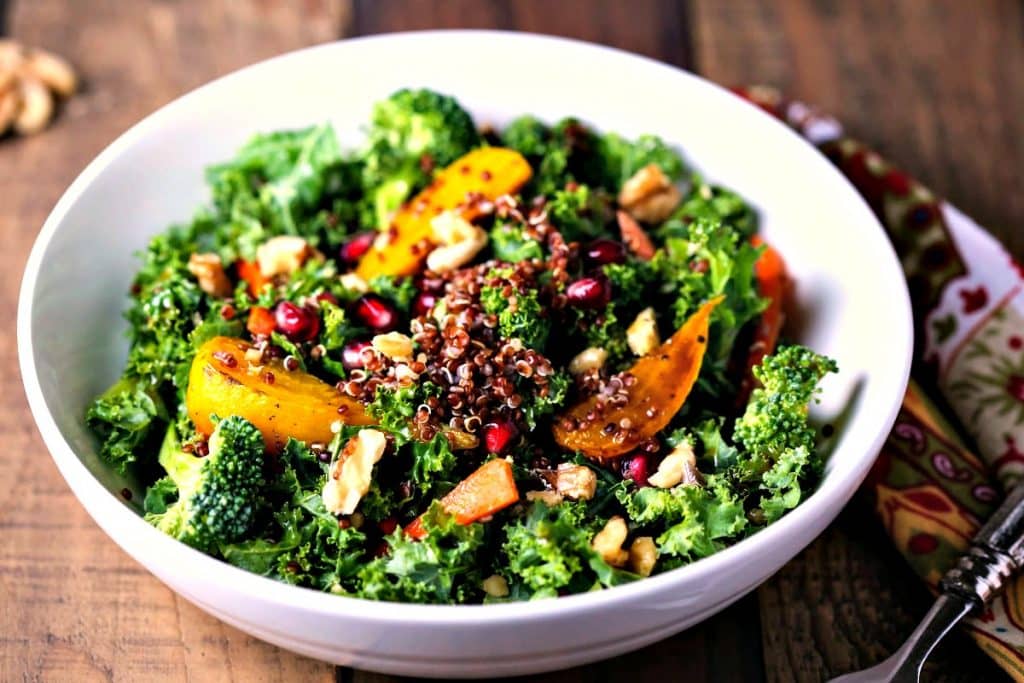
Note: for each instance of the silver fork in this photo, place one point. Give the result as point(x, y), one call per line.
point(997, 551)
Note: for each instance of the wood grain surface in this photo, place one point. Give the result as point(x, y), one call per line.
point(934, 85)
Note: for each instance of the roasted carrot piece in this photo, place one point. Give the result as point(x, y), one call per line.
point(402, 247)
point(281, 403)
point(261, 321)
point(489, 489)
point(664, 378)
point(250, 272)
point(772, 283)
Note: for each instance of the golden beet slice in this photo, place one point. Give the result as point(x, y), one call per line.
point(664, 378)
point(401, 249)
point(279, 402)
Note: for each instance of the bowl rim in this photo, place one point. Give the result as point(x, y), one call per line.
point(132, 532)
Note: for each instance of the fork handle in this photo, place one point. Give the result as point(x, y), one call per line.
point(996, 553)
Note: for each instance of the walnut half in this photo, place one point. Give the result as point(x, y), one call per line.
point(649, 196)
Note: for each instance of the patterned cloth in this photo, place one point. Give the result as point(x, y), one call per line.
point(927, 486)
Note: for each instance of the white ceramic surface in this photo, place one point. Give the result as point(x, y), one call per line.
point(850, 292)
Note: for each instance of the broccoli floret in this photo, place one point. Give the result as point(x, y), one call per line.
point(412, 133)
point(123, 418)
point(217, 495)
point(775, 419)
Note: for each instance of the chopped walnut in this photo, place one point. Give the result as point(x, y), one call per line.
point(282, 255)
point(642, 334)
point(460, 242)
point(495, 585)
point(643, 555)
point(394, 345)
point(549, 498)
point(460, 440)
point(608, 542)
point(649, 196)
point(353, 282)
point(592, 358)
point(679, 466)
point(350, 475)
point(577, 482)
point(209, 272)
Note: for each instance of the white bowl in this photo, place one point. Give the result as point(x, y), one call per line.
point(850, 292)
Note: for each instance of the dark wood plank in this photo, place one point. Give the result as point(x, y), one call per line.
point(74, 606)
point(935, 86)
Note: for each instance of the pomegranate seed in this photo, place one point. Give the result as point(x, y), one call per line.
point(636, 468)
point(387, 526)
point(589, 292)
point(298, 324)
point(603, 251)
point(326, 296)
point(498, 435)
point(375, 313)
point(354, 249)
point(352, 355)
point(423, 303)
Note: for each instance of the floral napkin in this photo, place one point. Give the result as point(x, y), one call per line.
point(928, 487)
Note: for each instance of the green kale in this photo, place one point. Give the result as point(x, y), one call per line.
point(510, 244)
point(443, 567)
point(276, 181)
point(520, 316)
point(123, 418)
point(696, 520)
point(398, 290)
point(622, 158)
point(535, 406)
point(783, 485)
point(713, 203)
point(712, 259)
point(433, 465)
point(549, 551)
point(580, 213)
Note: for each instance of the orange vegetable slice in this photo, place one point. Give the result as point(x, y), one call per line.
point(280, 403)
point(401, 249)
point(489, 489)
point(250, 272)
point(772, 283)
point(664, 378)
point(261, 321)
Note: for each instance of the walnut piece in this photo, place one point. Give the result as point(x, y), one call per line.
point(460, 242)
point(592, 358)
point(649, 196)
point(209, 272)
point(495, 585)
point(643, 555)
point(549, 498)
point(608, 542)
point(642, 333)
point(678, 467)
point(282, 255)
point(394, 345)
point(350, 476)
point(576, 482)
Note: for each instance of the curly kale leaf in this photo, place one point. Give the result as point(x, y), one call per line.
point(550, 550)
point(443, 567)
point(123, 418)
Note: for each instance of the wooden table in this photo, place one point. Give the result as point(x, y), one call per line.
point(935, 85)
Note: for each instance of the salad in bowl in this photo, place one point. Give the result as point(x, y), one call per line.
point(462, 365)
